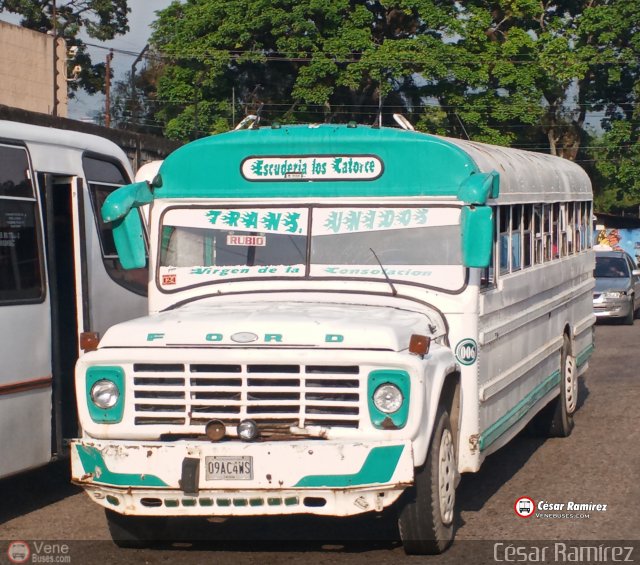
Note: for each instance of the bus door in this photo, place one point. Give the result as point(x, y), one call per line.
point(66, 301)
point(25, 329)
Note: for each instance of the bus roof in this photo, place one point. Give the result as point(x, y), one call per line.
point(30, 134)
point(348, 161)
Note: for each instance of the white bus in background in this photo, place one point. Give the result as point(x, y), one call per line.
point(60, 280)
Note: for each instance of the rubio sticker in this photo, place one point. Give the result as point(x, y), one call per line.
point(467, 351)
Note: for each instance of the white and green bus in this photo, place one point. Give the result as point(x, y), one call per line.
point(341, 320)
point(60, 280)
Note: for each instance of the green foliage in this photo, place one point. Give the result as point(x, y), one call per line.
point(617, 164)
point(101, 20)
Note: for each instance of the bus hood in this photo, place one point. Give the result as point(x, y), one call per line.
point(276, 324)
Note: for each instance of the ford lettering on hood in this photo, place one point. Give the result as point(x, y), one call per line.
point(275, 324)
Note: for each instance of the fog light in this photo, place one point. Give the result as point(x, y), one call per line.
point(105, 394)
point(215, 430)
point(387, 398)
point(247, 430)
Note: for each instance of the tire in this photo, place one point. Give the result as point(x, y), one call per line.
point(556, 419)
point(135, 531)
point(426, 516)
point(629, 318)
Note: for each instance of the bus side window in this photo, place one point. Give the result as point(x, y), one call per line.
point(537, 230)
point(20, 252)
point(527, 229)
point(487, 276)
point(516, 237)
point(546, 232)
point(504, 228)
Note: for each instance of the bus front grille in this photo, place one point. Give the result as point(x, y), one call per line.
point(275, 396)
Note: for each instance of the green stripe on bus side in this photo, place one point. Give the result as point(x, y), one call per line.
point(378, 467)
point(493, 432)
point(584, 355)
point(94, 464)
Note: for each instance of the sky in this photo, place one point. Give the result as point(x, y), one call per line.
point(141, 15)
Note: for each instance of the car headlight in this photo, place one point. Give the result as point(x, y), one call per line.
point(387, 398)
point(105, 394)
point(614, 294)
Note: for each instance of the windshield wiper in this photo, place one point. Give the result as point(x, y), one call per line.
point(394, 292)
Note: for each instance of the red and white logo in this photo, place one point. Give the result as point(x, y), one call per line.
point(524, 507)
point(19, 552)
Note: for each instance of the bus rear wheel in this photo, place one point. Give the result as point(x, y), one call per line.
point(556, 419)
point(426, 517)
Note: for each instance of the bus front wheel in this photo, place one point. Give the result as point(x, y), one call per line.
point(134, 531)
point(426, 517)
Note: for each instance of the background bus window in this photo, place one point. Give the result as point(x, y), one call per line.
point(20, 257)
point(103, 177)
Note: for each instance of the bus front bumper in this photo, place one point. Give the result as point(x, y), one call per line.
point(190, 478)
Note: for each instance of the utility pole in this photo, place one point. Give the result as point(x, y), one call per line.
point(54, 17)
point(107, 91)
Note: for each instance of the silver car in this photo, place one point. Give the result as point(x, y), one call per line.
point(617, 290)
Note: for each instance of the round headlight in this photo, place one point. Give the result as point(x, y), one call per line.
point(105, 394)
point(387, 398)
point(248, 430)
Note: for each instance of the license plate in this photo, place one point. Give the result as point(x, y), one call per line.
point(221, 467)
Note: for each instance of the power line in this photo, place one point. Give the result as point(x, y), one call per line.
point(295, 57)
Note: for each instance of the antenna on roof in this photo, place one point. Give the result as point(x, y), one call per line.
point(254, 125)
point(246, 122)
point(462, 126)
point(403, 122)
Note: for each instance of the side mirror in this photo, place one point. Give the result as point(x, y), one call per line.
point(121, 208)
point(477, 235)
point(128, 236)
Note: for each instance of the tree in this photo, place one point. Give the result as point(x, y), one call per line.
point(101, 20)
point(513, 72)
point(545, 65)
point(302, 60)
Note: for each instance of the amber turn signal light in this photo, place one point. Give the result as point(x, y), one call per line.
point(419, 344)
point(89, 341)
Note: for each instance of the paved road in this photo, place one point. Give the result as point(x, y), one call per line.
point(599, 463)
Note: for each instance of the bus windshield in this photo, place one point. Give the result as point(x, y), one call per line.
point(211, 245)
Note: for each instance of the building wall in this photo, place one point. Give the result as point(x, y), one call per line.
point(26, 70)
